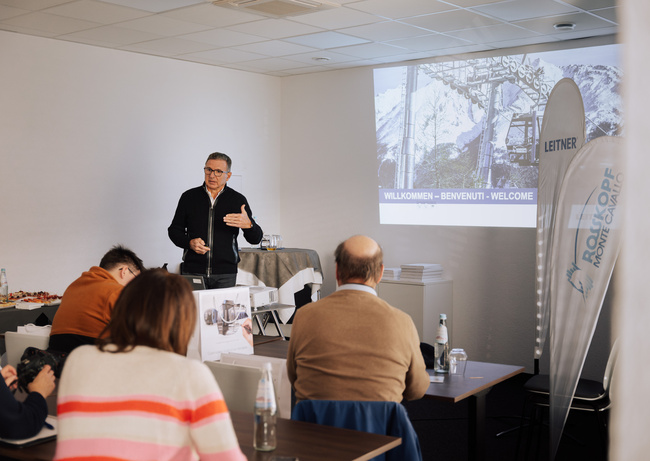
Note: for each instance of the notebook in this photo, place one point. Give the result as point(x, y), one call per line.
point(45, 435)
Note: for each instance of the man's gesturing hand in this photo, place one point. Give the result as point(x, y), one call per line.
point(238, 219)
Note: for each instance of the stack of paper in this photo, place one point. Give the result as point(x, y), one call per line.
point(421, 272)
point(391, 273)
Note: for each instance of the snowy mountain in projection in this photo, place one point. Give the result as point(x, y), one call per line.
point(449, 126)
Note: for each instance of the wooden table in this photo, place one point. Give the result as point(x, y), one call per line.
point(479, 378)
point(305, 441)
point(261, 339)
point(313, 442)
point(277, 349)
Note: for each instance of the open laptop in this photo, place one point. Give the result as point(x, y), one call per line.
point(196, 281)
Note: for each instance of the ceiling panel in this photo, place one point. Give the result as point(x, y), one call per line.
point(325, 40)
point(402, 8)
point(33, 5)
point(452, 20)
point(384, 31)
point(163, 26)
point(7, 12)
point(90, 10)
point(356, 33)
point(583, 22)
point(525, 9)
point(49, 23)
point(431, 42)
point(109, 36)
point(275, 28)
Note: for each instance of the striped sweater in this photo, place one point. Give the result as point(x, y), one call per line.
point(145, 404)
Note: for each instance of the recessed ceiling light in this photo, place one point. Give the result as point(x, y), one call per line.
point(321, 58)
point(564, 26)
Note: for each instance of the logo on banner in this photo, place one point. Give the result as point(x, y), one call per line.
point(595, 219)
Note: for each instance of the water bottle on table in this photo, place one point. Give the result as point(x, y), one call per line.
point(266, 408)
point(4, 287)
point(441, 347)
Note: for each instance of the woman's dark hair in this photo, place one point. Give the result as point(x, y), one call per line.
point(156, 309)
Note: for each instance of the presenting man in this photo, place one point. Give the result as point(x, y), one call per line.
point(207, 222)
point(87, 304)
point(351, 345)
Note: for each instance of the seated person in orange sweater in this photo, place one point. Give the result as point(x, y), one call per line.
point(352, 345)
point(87, 304)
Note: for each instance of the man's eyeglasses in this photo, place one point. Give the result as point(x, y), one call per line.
point(132, 273)
point(210, 171)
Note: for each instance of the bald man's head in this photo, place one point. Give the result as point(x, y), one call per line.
point(359, 260)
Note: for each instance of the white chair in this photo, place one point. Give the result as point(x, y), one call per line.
point(280, 378)
point(238, 384)
point(16, 343)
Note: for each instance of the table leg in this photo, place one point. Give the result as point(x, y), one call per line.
point(277, 324)
point(259, 325)
point(476, 425)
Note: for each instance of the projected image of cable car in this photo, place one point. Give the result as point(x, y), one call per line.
point(522, 138)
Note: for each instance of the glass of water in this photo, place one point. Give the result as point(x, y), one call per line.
point(457, 362)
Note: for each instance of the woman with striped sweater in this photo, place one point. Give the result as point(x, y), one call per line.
point(135, 396)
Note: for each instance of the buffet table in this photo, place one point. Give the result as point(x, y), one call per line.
point(12, 318)
point(287, 269)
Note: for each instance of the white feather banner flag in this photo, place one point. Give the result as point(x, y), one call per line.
point(586, 244)
point(561, 136)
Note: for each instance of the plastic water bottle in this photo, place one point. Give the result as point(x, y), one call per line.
point(4, 287)
point(265, 412)
point(441, 347)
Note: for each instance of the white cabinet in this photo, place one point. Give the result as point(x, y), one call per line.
point(424, 302)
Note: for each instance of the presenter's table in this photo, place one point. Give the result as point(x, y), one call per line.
point(479, 378)
point(304, 441)
point(288, 270)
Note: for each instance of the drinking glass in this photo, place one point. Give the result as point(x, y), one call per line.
point(264, 244)
point(278, 241)
point(457, 362)
point(273, 242)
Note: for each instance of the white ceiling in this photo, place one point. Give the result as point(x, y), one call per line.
point(356, 33)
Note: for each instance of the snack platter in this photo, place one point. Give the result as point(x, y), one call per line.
point(31, 300)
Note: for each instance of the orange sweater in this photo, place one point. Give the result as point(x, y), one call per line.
point(87, 304)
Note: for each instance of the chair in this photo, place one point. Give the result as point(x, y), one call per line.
point(589, 395)
point(238, 384)
point(280, 378)
point(16, 343)
point(386, 418)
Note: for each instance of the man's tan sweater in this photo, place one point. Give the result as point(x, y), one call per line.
point(352, 345)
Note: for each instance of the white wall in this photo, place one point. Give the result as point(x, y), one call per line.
point(329, 192)
point(96, 147)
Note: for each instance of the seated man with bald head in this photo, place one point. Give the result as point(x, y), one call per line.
point(351, 345)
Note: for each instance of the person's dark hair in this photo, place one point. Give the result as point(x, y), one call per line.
point(220, 156)
point(156, 309)
point(355, 267)
point(119, 255)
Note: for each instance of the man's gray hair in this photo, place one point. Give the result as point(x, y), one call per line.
point(220, 156)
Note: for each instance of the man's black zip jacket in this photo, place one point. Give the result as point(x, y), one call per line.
point(196, 217)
